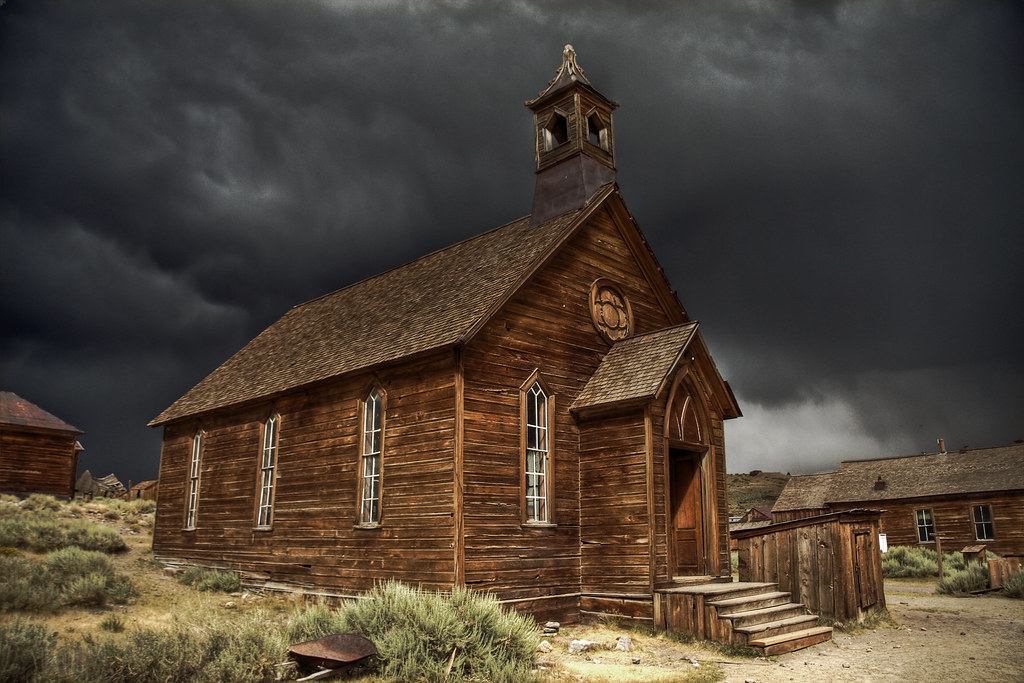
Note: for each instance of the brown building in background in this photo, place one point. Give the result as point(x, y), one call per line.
point(38, 451)
point(970, 497)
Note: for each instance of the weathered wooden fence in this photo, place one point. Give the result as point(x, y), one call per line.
point(831, 563)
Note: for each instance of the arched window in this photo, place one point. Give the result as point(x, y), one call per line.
point(268, 467)
point(192, 499)
point(684, 421)
point(537, 415)
point(372, 450)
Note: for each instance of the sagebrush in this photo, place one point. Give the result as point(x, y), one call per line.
point(1014, 586)
point(66, 577)
point(419, 634)
point(903, 561)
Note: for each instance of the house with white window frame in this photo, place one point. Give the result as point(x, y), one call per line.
point(971, 496)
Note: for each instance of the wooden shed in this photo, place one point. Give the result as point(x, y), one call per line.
point(971, 496)
point(530, 412)
point(830, 563)
point(38, 451)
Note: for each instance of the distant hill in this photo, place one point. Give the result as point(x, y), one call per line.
point(754, 489)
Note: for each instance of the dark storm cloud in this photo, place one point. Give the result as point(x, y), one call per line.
point(832, 188)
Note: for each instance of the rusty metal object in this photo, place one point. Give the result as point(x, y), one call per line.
point(334, 651)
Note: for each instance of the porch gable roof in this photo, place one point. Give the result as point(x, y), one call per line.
point(636, 368)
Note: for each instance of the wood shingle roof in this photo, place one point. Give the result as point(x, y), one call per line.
point(804, 492)
point(636, 368)
point(975, 470)
point(938, 474)
point(432, 302)
point(16, 411)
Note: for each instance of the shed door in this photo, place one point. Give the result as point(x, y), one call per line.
point(863, 552)
point(687, 520)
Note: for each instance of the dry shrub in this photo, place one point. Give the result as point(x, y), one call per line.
point(1014, 586)
point(417, 632)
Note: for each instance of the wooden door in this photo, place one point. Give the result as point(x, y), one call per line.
point(687, 518)
point(863, 552)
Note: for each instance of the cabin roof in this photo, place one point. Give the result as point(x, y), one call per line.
point(636, 368)
point(804, 491)
point(975, 470)
point(934, 474)
point(16, 411)
point(435, 301)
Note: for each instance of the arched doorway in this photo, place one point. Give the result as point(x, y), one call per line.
point(689, 486)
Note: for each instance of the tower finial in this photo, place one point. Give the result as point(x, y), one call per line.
point(569, 65)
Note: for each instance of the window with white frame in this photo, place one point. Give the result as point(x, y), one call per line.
point(192, 498)
point(536, 460)
point(984, 528)
point(268, 465)
point(373, 434)
point(925, 526)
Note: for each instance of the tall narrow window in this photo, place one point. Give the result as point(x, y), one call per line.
point(536, 466)
point(192, 499)
point(925, 526)
point(373, 431)
point(268, 463)
point(984, 529)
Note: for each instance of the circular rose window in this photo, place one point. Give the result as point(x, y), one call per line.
point(610, 311)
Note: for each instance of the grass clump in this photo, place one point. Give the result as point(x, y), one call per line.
point(186, 651)
point(42, 532)
point(112, 623)
point(418, 633)
point(66, 577)
point(25, 651)
point(1014, 586)
point(205, 579)
point(903, 562)
point(973, 577)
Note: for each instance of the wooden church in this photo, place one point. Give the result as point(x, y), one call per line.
point(529, 412)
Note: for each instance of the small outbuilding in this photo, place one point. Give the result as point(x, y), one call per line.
point(38, 451)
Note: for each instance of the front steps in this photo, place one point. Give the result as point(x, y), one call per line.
point(746, 613)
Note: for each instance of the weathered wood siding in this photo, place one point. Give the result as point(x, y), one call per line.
point(37, 462)
point(615, 525)
point(953, 520)
point(313, 539)
point(832, 563)
point(547, 326)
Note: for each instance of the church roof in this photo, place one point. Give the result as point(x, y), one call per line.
point(436, 301)
point(14, 410)
point(636, 368)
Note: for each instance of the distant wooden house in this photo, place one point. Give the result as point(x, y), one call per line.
point(144, 490)
point(88, 486)
point(759, 513)
point(969, 497)
point(530, 412)
point(38, 451)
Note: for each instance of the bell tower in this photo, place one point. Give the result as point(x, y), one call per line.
point(575, 142)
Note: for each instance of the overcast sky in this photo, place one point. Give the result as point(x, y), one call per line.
point(836, 191)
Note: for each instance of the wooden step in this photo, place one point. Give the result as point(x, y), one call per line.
point(765, 614)
point(790, 642)
point(749, 602)
point(778, 627)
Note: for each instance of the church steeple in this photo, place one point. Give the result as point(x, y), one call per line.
point(575, 144)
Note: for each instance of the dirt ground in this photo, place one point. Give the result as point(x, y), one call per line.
point(936, 638)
